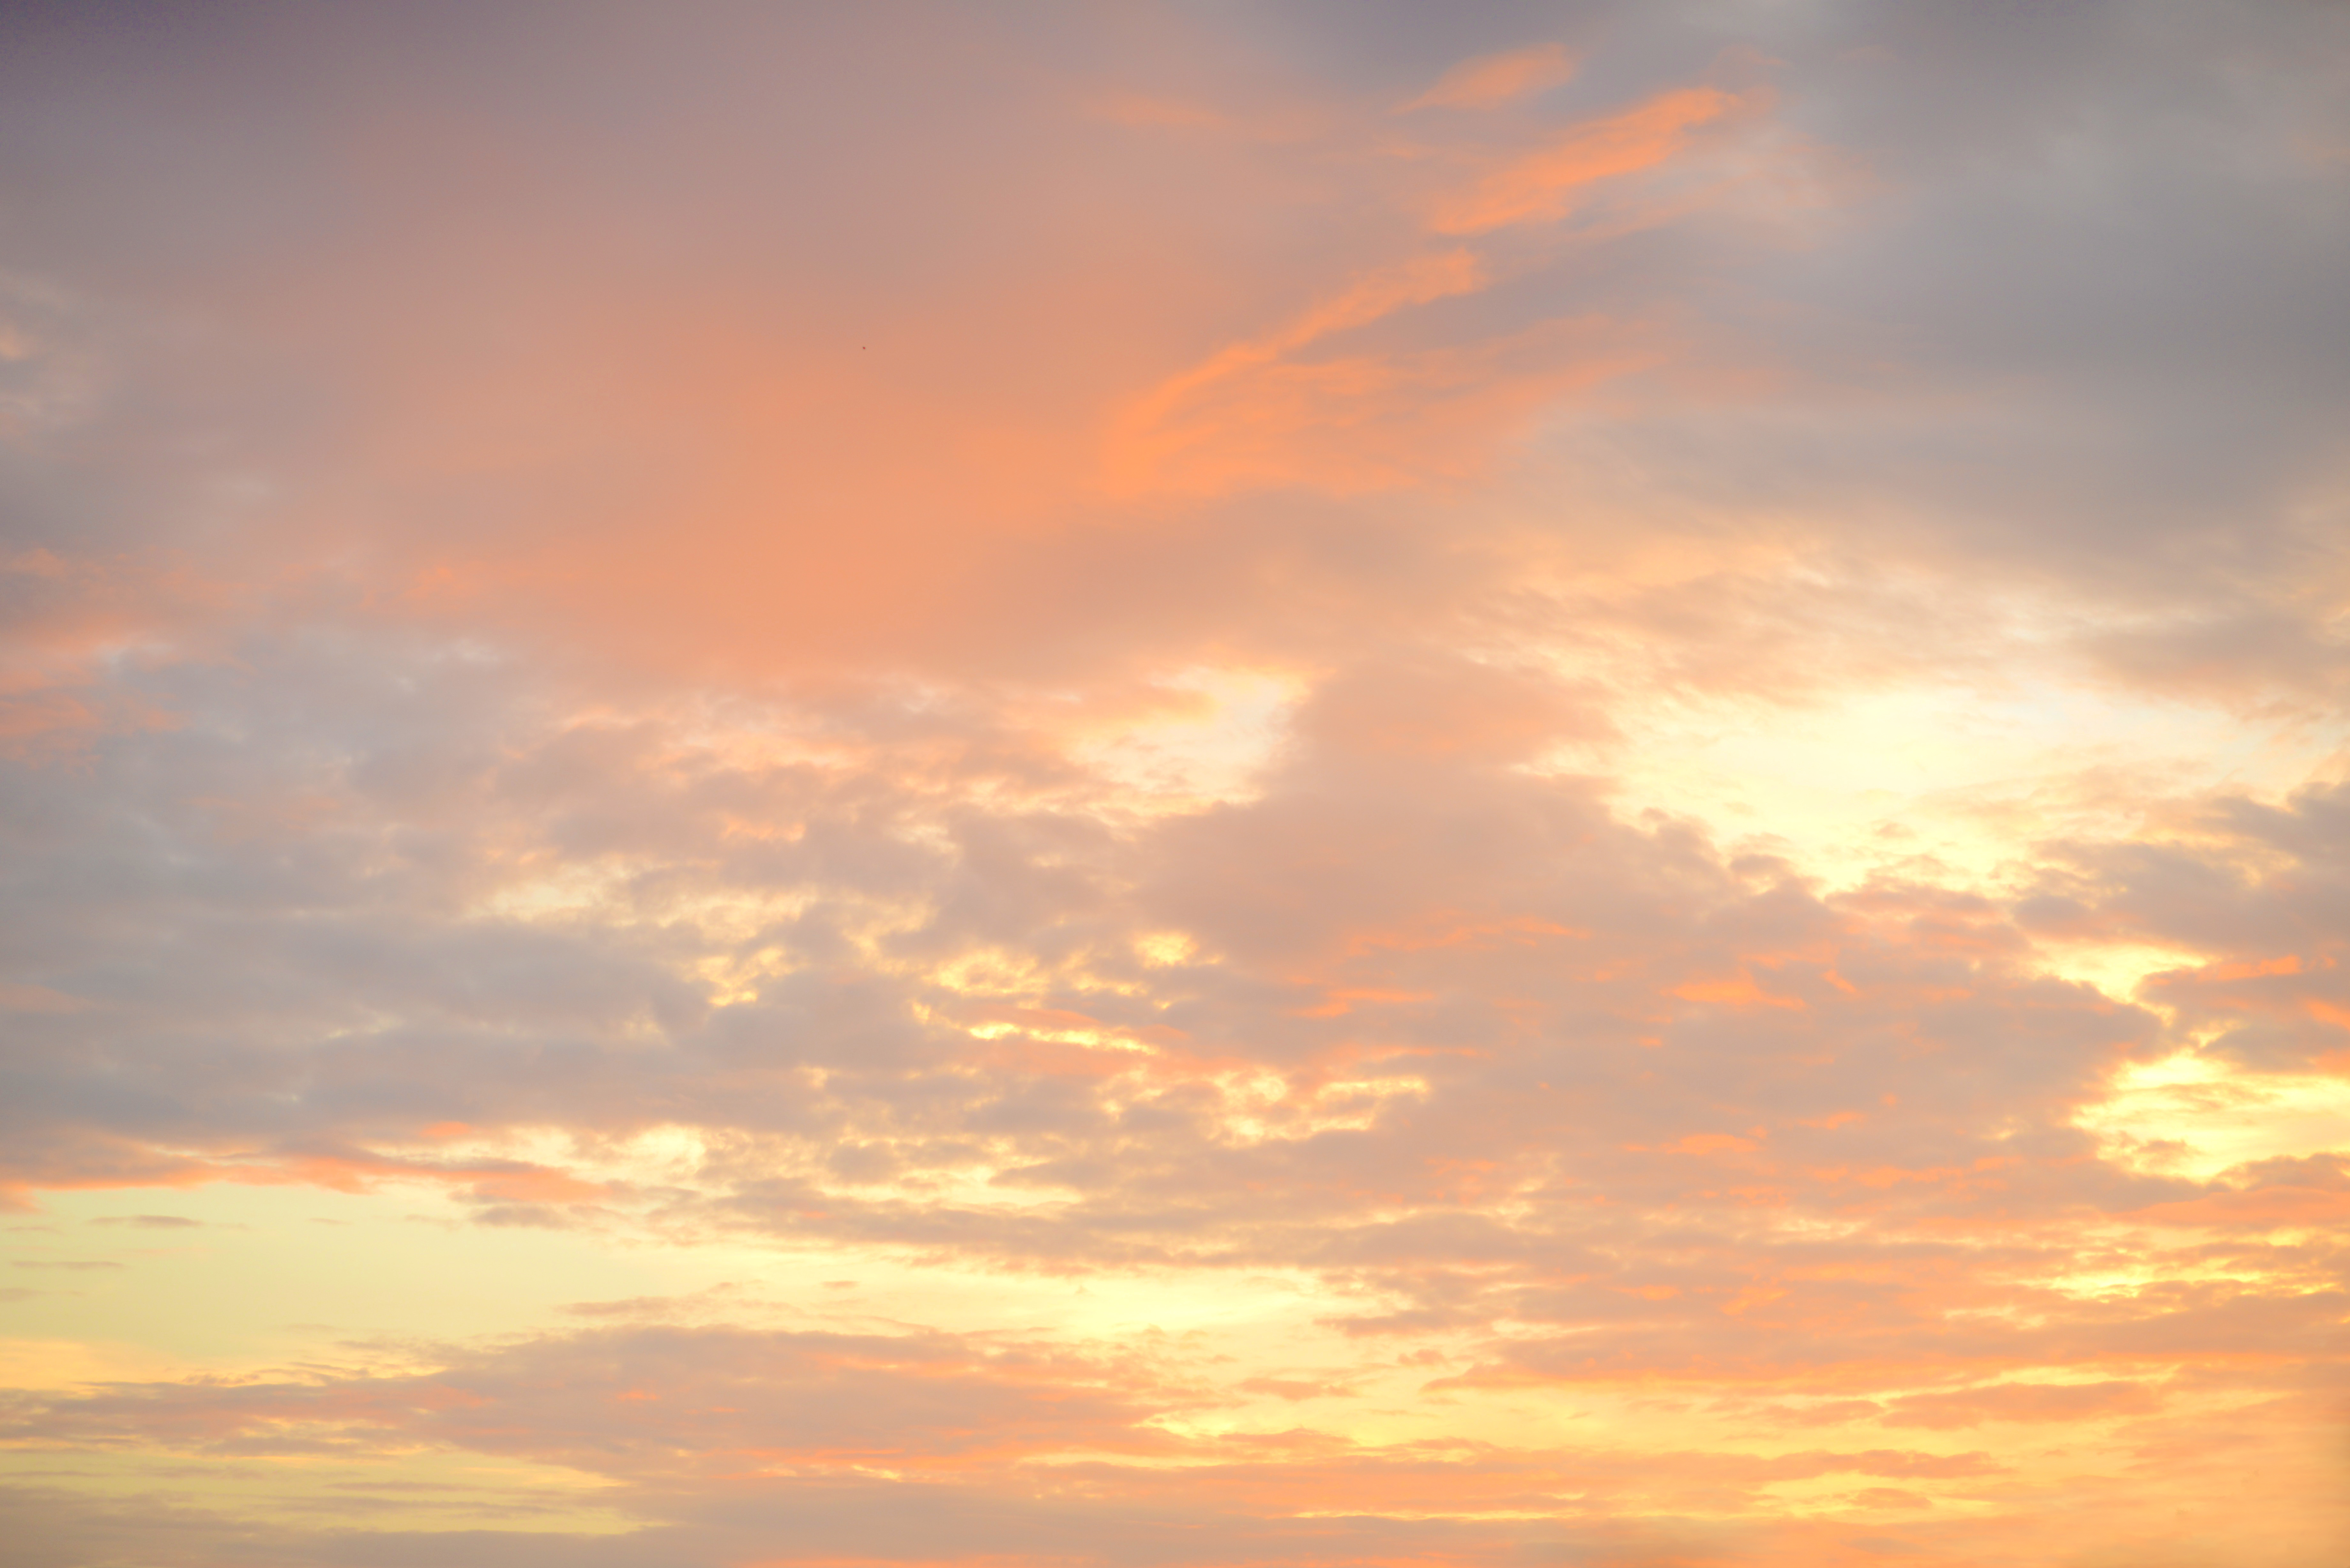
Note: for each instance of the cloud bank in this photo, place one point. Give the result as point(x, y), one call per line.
point(1182, 784)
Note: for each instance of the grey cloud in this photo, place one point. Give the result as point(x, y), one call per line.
point(2259, 890)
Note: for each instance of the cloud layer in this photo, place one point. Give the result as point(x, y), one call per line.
point(1177, 786)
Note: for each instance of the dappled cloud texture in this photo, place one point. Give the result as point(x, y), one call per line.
point(1174, 785)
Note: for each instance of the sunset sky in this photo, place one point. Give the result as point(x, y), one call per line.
point(1224, 784)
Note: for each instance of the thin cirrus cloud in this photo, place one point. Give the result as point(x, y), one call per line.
point(1498, 79)
point(1189, 785)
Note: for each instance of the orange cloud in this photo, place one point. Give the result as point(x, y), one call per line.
point(2040, 1402)
point(1368, 422)
point(1541, 186)
point(1491, 79)
point(1152, 439)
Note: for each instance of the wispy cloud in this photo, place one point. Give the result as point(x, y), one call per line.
point(1492, 80)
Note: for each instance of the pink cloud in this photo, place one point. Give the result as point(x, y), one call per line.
point(1491, 79)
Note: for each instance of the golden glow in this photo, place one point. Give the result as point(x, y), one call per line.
point(2196, 1116)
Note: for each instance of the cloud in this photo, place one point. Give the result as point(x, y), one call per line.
point(810, 1403)
point(2251, 890)
point(2022, 1402)
point(38, 999)
point(720, 1431)
point(1538, 186)
point(1206, 735)
point(1491, 79)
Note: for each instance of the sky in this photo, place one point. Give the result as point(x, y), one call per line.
point(1157, 785)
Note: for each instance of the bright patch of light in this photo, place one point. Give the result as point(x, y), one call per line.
point(1209, 743)
point(2196, 1116)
